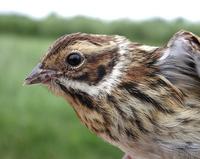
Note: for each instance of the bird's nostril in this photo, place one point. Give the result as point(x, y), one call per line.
point(39, 75)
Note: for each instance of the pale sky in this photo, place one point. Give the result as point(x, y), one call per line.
point(106, 9)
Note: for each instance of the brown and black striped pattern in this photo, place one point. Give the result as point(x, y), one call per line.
point(151, 111)
point(97, 61)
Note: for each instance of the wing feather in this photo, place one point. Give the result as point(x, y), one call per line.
point(180, 62)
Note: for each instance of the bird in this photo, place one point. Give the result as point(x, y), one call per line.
point(142, 99)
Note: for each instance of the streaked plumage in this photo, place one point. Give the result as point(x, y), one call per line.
point(144, 100)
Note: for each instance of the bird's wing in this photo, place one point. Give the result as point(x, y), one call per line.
point(180, 62)
point(182, 150)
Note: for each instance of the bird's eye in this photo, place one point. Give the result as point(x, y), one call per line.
point(74, 59)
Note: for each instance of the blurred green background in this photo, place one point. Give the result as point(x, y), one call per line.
point(34, 124)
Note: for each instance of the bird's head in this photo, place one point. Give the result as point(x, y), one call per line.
point(82, 62)
point(98, 75)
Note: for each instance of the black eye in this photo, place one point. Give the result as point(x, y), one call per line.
point(74, 59)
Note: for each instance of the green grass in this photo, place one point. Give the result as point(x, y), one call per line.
point(34, 124)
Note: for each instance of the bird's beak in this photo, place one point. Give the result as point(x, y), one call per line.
point(39, 75)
